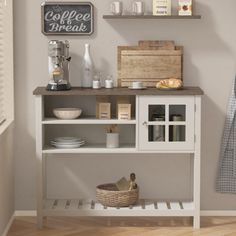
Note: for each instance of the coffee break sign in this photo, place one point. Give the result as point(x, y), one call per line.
point(62, 18)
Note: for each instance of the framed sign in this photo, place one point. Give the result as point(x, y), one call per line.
point(63, 18)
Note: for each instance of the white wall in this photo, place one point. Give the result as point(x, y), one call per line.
point(210, 55)
point(6, 178)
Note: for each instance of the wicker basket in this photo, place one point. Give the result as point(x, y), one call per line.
point(108, 195)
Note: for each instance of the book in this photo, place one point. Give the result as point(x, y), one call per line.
point(185, 7)
point(161, 7)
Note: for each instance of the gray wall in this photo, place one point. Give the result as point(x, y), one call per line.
point(6, 178)
point(210, 56)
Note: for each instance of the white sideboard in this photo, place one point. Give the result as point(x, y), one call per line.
point(177, 136)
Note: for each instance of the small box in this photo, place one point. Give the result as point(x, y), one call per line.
point(185, 7)
point(104, 111)
point(100, 99)
point(124, 111)
point(161, 7)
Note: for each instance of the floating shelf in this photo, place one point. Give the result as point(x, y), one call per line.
point(172, 17)
point(92, 208)
point(87, 120)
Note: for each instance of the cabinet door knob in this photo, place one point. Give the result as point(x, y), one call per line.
point(145, 123)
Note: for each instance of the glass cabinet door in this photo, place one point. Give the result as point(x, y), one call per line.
point(166, 123)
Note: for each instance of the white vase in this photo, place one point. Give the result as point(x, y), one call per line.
point(88, 68)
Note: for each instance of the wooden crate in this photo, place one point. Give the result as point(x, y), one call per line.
point(148, 64)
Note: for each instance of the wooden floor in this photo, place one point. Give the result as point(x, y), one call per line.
point(211, 226)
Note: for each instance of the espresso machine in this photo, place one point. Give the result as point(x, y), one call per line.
point(58, 63)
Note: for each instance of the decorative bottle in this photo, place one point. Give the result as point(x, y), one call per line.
point(88, 68)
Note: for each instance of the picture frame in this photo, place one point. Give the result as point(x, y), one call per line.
point(67, 18)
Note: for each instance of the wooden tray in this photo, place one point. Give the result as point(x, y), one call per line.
point(148, 64)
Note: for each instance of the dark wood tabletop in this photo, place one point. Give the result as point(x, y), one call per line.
point(77, 91)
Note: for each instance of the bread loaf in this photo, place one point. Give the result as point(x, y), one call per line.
point(171, 83)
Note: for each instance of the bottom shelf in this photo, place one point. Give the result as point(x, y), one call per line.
point(149, 208)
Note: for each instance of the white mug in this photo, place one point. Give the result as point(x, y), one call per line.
point(138, 8)
point(137, 85)
point(117, 8)
point(109, 84)
point(96, 84)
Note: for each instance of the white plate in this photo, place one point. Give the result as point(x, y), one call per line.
point(67, 146)
point(141, 88)
point(67, 139)
point(69, 143)
point(61, 143)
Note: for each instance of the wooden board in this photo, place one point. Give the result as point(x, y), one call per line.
point(160, 44)
point(77, 91)
point(148, 64)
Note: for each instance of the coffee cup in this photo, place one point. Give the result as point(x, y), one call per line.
point(137, 85)
point(138, 8)
point(116, 8)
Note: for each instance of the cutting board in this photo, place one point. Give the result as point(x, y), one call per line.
point(148, 64)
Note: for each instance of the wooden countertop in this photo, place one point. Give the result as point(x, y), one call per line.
point(76, 91)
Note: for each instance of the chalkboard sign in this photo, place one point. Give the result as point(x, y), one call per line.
point(63, 18)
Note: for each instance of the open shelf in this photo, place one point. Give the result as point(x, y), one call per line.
point(87, 120)
point(92, 148)
point(101, 149)
point(147, 208)
point(172, 17)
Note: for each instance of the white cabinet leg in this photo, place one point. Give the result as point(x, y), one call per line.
point(197, 165)
point(39, 159)
point(196, 222)
point(39, 220)
point(39, 191)
point(197, 195)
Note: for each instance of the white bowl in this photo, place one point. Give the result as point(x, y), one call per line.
point(67, 113)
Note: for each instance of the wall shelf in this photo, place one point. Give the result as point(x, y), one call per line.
point(172, 17)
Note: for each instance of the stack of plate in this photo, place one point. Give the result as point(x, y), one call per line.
point(67, 142)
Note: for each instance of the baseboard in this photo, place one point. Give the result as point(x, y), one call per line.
point(25, 213)
point(218, 213)
point(8, 226)
point(203, 213)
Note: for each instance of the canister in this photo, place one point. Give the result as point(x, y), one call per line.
point(176, 135)
point(158, 130)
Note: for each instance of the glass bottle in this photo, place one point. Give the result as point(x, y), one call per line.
point(88, 68)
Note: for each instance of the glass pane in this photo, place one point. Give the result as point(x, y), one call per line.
point(156, 133)
point(156, 112)
point(177, 133)
point(177, 113)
